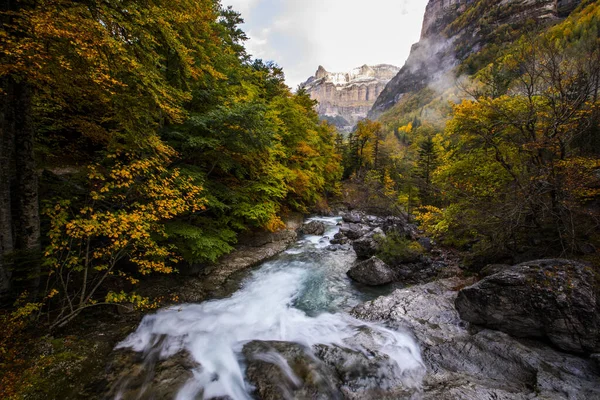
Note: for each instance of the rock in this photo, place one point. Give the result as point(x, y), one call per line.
point(553, 299)
point(492, 269)
point(482, 365)
point(373, 220)
point(248, 253)
point(373, 376)
point(421, 271)
point(400, 226)
point(354, 231)
point(284, 370)
point(354, 217)
point(336, 247)
point(372, 272)
point(426, 243)
point(596, 358)
point(368, 245)
point(151, 377)
point(344, 98)
point(341, 241)
point(313, 228)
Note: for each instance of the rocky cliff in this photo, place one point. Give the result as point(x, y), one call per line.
point(460, 32)
point(345, 98)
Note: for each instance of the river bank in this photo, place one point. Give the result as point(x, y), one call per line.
point(72, 363)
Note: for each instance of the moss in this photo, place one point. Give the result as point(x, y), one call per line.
point(398, 250)
point(58, 369)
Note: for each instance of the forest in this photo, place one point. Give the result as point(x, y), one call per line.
point(139, 138)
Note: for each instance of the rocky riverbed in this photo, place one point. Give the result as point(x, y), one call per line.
point(300, 328)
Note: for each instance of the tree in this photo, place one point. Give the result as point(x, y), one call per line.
point(79, 77)
point(512, 157)
point(426, 165)
point(123, 218)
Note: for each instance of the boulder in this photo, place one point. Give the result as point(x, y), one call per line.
point(368, 245)
point(553, 299)
point(372, 272)
point(354, 231)
point(492, 269)
point(400, 226)
point(373, 220)
point(354, 217)
point(336, 247)
point(340, 241)
point(285, 370)
point(152, 377)
point(368, 374)
point(313, 228)
point(466, 364)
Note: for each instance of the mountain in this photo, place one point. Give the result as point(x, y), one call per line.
point(346, 97)
point(461, 36)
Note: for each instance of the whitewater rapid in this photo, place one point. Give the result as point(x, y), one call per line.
point(301, 296)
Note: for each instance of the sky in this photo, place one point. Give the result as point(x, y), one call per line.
point(300, 35)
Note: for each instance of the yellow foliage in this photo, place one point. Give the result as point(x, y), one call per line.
point(130, 202)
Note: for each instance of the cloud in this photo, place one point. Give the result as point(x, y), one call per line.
point(338, 34)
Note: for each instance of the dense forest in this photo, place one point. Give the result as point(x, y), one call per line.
point(139, 138)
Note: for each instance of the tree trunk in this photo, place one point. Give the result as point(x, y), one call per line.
point(6, 172)
point(19, 204)
point(27, 215)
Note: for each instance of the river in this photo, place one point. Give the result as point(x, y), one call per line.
point(303, 296)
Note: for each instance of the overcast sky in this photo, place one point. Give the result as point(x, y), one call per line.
point(300, 35)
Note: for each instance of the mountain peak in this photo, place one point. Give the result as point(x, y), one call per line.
point(346, 97)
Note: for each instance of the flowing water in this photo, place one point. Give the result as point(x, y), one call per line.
point(302, 296)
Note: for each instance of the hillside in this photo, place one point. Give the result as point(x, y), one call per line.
point(458, 37)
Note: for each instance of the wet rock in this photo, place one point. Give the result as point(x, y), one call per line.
point(341, 241)
point(354, 231)
point(336, 247)
point(372, 272)
point(250, 252)
point(284, 370)
point(368, 245)
point(365, 377)
point(354, 217)
point(151, 377)
point(482, 365)
point(552, 299)
point(313, 228)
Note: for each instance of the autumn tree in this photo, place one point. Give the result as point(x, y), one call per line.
point(79, 77)
point(512, 157)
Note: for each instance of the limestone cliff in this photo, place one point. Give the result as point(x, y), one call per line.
point(458, 32)
point(345, 98)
